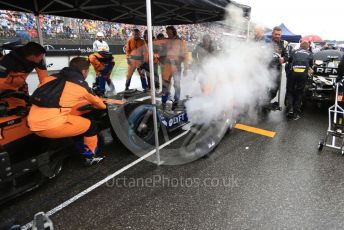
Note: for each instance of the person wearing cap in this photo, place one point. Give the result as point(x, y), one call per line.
point(99, 44)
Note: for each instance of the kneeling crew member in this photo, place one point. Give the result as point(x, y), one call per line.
point(103, 64)
point(50, 115)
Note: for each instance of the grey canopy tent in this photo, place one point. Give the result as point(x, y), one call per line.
point(172, 12)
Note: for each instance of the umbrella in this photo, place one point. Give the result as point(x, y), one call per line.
point(312, 38)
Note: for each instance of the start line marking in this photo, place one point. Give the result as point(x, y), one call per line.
point(255, 130)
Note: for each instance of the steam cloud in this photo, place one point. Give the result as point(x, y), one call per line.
point(238, 77)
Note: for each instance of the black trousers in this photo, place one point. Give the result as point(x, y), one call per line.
point(145, 66)
point(296, 83)
point(277, 72)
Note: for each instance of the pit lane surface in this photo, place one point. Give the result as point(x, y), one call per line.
point(269, 183)
point(249, 181)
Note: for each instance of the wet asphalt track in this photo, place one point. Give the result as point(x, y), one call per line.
point(269, 183)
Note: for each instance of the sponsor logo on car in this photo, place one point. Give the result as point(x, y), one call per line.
point(326, 71)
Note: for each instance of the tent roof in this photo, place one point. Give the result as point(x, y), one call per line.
point(286, 34)
point(172, 12)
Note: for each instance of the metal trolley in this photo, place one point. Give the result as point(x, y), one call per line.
point(335, 133)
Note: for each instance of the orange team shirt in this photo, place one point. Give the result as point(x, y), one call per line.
point(173, 49)
point(15, 80)
point(97, 65)
point(48, 118)
point(136, 48)
point(177, 48)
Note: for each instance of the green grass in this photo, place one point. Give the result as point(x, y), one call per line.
point(120, 69)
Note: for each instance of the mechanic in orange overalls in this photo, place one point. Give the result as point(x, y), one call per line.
point(19, 63)
point(103, 63)
point(136, 51)
point(176, 53)
point(58, 122)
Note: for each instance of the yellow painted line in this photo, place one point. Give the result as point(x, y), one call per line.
point(255, 130)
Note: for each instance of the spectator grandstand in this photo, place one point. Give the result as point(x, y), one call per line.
point(56, 29)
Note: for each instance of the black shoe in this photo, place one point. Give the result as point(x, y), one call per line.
point(296, 117)
point(275, 106)
point(93, 160)
point(290, 113)
point(175, 105)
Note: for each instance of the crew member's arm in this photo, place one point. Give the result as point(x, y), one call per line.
point(284, 54)
point(95, 47)
point(291, 55)
point(95, 101)
point(311, 61)
point(99, 103)
point(128, 48)
point(145, 52)
point(42, 72)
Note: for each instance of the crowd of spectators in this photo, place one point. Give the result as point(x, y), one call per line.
point(23, 25)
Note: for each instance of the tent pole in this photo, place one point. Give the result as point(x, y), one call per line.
point(151, 70)
point(39, 30)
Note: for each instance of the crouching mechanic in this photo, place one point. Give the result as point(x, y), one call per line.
point(300, 61)
point(55, 98)
point(103, 63)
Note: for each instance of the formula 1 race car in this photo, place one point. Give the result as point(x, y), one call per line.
point(320, 84)
point(137, 134)
point(27, 160)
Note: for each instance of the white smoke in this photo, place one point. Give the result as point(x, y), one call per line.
point(238, 77)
